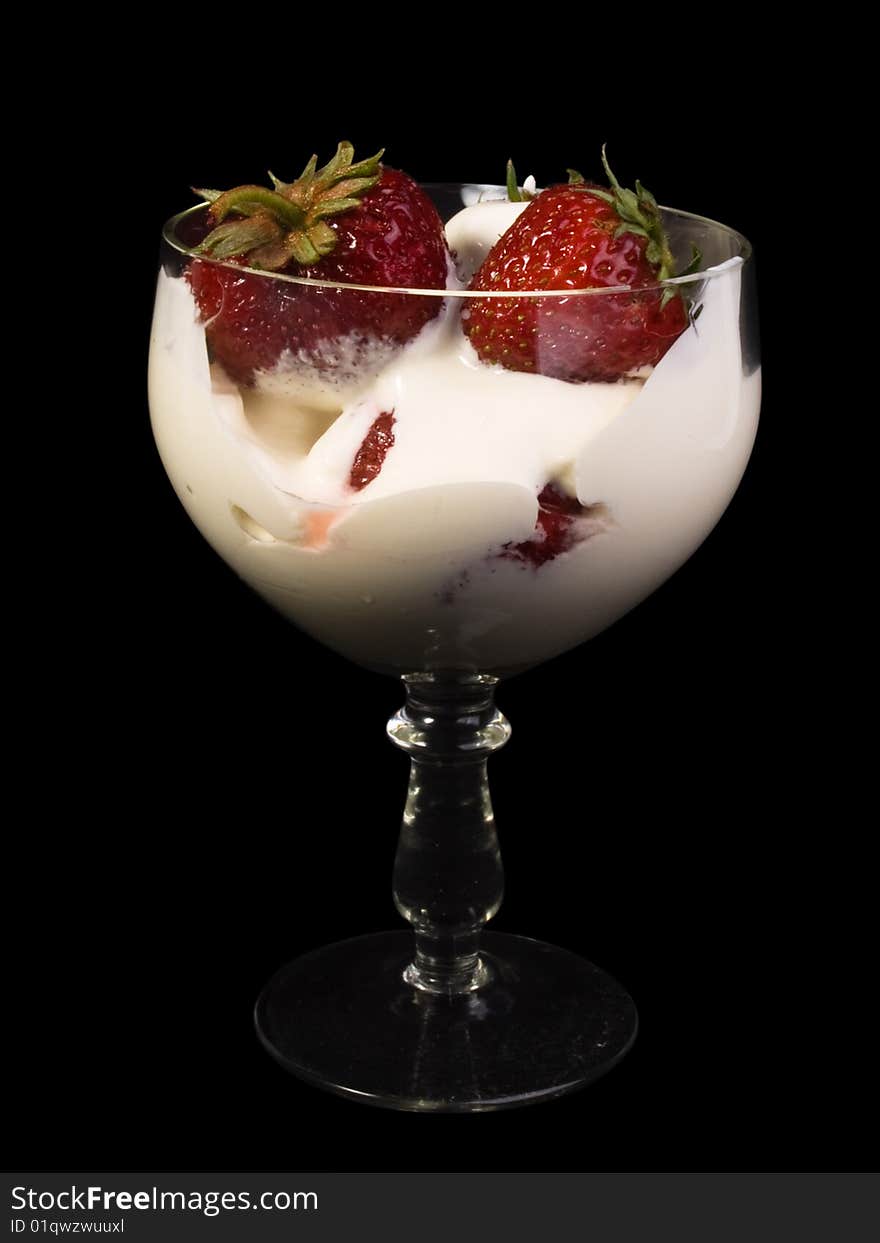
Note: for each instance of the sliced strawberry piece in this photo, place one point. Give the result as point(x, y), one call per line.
point(556, 529)
point(370, 457)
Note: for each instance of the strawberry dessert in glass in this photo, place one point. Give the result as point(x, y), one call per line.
point(451, 432)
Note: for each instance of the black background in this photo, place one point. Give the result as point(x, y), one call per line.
point(208, 793)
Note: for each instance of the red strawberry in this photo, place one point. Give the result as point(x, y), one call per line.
point(360, 224)
point(556, 529)
point(370, 457)
point(579, 236)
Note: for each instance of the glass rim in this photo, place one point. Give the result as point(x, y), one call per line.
point(742, 257)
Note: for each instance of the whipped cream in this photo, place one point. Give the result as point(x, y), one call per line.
point(409, 573)
point(472, 233)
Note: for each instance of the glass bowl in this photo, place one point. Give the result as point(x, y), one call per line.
point(452, 521)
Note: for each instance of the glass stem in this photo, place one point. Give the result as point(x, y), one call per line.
point(448, 878)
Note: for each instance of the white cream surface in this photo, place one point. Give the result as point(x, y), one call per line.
point(473, 232)
point(406, 574)
point(455, 420)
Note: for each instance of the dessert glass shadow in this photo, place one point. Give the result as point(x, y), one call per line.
point(450, 520)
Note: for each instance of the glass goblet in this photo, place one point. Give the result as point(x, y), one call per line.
point(452, 523)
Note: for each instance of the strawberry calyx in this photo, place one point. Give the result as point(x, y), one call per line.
point(639, 214)
point(518, 193)
point(288, 224)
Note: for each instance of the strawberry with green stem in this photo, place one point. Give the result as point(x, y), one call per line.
point(575, 237)
point(353, 223)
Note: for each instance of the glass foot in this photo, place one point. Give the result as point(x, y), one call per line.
point(544, 1023)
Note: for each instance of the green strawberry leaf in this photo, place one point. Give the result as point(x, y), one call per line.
point(640, 214)
point(288, 220)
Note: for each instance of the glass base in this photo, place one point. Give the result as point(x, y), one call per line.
point(545, 1023)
